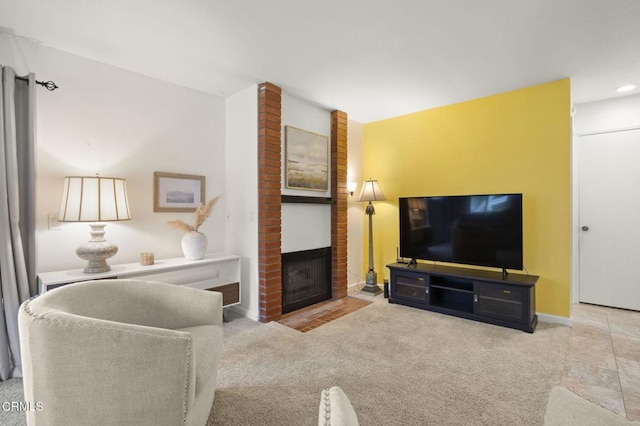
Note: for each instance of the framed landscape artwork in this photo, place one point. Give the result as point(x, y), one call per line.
point(177, 192)
point(306, 160)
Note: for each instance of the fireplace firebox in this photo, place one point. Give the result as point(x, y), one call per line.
point(306, 278)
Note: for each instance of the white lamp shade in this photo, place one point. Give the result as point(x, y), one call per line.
point(371, 191)
point(94, 199)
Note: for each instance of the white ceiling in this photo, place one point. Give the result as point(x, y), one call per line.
point(370, 58)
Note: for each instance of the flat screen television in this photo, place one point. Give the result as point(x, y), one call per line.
point(482, 230)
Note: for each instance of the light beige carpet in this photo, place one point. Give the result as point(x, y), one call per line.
point(399, 366)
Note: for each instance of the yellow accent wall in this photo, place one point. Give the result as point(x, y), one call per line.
point(514, 142)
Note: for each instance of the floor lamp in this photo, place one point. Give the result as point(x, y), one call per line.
point(371, 192)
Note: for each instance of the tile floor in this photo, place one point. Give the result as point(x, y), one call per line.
point(603, 360)
point(314, 316)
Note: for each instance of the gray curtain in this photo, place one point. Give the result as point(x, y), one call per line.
point(17, 211)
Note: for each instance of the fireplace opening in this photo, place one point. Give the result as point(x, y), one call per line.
point(306, 278)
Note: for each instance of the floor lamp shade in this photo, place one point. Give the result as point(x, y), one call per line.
point(371, 191)
point(95, 199)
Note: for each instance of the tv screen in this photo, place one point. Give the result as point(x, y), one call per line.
point(484, 230)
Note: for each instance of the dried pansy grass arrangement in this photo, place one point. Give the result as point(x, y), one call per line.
point(199, 216)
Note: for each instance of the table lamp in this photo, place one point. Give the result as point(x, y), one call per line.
point(97, 200)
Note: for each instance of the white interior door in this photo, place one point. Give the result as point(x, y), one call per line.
point(609, 194)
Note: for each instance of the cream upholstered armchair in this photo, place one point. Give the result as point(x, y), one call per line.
point(120, 352)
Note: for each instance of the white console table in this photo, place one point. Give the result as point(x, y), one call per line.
point(214, 272)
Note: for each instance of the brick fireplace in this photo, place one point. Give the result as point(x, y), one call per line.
point(270, 202)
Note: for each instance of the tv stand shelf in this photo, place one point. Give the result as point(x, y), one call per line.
point(475, 294)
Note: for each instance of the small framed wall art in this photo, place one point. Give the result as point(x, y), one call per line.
point(306, 160)
point(174, 192)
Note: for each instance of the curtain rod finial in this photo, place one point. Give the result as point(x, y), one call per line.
point(49, 85)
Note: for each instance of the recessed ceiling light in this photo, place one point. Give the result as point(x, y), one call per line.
point(627, 88)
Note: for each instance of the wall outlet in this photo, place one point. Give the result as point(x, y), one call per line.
point(52, 222)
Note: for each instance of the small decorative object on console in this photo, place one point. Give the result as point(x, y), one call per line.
point(146, 258)
point(194, 243)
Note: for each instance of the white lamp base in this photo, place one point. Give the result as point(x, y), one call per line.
point(97, 250)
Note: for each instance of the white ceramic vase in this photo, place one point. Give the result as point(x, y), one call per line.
point(194, 245)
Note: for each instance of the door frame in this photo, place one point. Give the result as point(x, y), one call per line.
point(575, 207)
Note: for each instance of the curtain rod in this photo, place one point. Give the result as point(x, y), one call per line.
point(49, 85)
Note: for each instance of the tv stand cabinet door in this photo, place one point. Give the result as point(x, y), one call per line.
point(407, 286)
point(503, 302)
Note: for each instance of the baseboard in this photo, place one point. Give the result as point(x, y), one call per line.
point(554, 319)
point(245, 313)
point(354, 285)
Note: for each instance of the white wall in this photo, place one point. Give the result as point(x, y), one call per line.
point(355, 210)
point(242, 192)
point(106, 120)
point(611, 114)
point(305, 226)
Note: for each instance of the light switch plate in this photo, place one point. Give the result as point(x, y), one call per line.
point(52, 222)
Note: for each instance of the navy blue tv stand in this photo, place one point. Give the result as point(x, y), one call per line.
point(487, 296)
